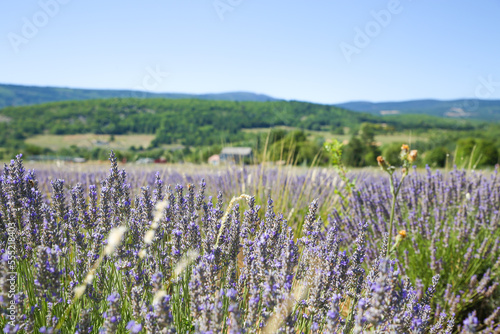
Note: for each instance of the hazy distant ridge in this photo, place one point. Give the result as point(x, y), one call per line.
point(17, 95)
point(465, 108)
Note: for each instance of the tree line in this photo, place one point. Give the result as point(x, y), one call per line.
point(204, 125)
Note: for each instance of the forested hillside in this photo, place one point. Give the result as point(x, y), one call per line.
point(17, 95)
point(192, 122)
point(472, 109)
point(202, 127)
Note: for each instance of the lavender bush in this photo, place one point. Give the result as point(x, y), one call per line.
point(119, 253)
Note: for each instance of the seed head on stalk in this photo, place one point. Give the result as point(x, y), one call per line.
point(407, 156)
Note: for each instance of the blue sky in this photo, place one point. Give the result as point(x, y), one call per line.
point(321, 51)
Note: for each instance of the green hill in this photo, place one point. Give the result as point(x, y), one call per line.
point(474, 109)
point(192, 121)
point(193, 129)
point(17, 95)
point(486, 110)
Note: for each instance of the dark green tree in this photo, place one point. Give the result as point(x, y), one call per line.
point(436, 157)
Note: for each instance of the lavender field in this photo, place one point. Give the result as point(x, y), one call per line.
point(248, 250)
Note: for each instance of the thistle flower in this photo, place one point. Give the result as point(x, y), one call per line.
point(381, 162)
point(402, 233)
point(412, 157)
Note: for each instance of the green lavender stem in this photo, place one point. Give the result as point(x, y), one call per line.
point(394, 193)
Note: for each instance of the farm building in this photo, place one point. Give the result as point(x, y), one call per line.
point(235, 154)
point(214, 160)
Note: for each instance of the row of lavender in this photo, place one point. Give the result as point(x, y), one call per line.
point(131, 255)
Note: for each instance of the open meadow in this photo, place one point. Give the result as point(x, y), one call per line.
point(87, 140)
point(380, 139)
point(258, 249)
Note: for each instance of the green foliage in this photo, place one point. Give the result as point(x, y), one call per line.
point(277, 135)
point(425, 122)
point(391, 153)
point(476, 152)
point(354, 153)
point(208, 123)
point(35, 150)
point(334, 149)
point(294, 148)
point(437, 157)
point(309, 153)
point(362, 150)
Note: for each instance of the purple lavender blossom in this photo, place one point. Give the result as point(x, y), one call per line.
point(134, 327)
point(256, 272)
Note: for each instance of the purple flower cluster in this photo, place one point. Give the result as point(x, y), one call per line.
point(452, 227)
point(202, 265)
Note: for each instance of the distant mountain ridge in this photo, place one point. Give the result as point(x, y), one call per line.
point(486, 110)
point(474, 109)
point(18, 95)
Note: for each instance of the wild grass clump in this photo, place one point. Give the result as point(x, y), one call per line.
point(159, 259)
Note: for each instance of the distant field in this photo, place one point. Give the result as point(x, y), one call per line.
point(120, 142)
point(382, 139)
point(124, 142)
